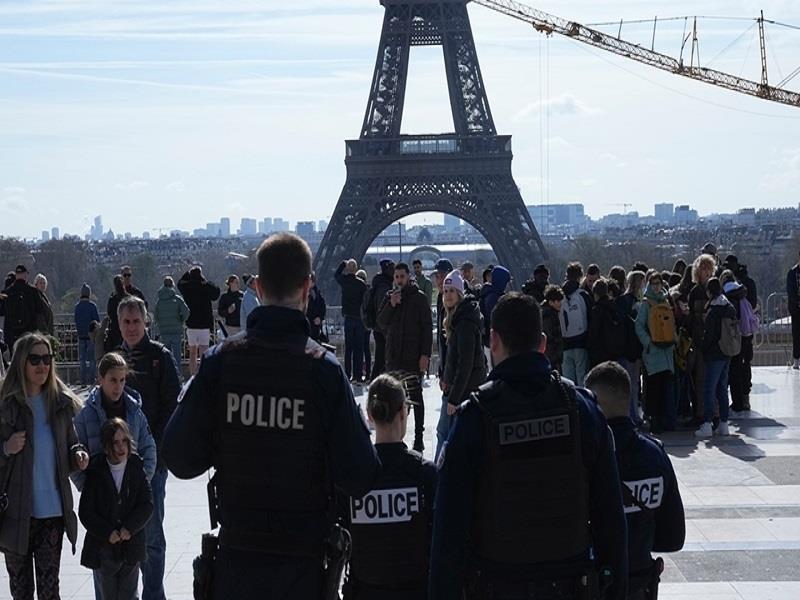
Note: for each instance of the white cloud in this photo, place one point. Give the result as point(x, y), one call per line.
point(176, 186)
point(131, 186)
point(562, 105)
point(13, 191)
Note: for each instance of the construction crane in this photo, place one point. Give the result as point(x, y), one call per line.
point(549, 24)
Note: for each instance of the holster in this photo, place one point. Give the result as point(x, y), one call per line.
point(204, 567)
point(644, 584)
point(338, 546)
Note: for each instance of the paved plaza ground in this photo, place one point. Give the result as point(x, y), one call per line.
point(742, 497)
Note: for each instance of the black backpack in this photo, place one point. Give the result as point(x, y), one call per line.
point(613, 331)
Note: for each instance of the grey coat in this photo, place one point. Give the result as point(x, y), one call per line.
point(15, 528)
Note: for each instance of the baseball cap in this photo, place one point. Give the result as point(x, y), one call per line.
point(731, 259)
point(443, 265)
point(21, 269)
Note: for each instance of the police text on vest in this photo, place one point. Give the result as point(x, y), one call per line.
point(271, 412)
point(385, 506)
point(648, 492)
point(534, 430)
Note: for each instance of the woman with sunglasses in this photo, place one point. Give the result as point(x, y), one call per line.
point(39, 450)
point(397, 514)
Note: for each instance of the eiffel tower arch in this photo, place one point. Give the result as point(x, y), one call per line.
point(466, 173)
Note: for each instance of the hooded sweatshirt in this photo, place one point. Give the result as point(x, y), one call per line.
point(657, 359)
point(490, 296)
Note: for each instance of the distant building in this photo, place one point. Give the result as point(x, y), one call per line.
point(45, 236)
point(212, 230)
point(55, 233)
point(224, 227)
point(665, 213)
point(551, 217)
point(145, 235)
point(322, 225)
point(97, 229)
point(248, 227)
point(684, 215)
point(746, 216)
point(451, 223)
point(305, 229)
point(279, 225)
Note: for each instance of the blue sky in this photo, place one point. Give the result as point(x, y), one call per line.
point(170, 114)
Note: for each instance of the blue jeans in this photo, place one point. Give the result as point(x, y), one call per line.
point(442, 428)
point(575, 365)
point(153, 566)
point(86, 359)
point(715, 389)
point(174, 343)
point(354, 347)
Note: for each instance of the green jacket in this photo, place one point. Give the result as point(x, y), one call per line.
point(656, 359)
point(426, 287)
point(171, 312)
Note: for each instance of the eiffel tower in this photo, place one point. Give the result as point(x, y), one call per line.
point(466, 173)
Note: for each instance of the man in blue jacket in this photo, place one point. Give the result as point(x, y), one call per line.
point(653, 505)
point(85, 313)
point(529, 475)
point(274, 414)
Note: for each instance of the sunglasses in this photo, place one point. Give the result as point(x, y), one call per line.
point(126, 275)
point(36, 359)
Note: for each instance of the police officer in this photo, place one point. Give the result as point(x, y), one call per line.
point(653, 505)
point(274, 414)
point(397, 514)
point(529, 464)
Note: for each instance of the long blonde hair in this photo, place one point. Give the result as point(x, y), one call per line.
point(13, 387)
point(449, 313)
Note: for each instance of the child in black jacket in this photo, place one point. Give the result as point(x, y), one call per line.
point(115, 505)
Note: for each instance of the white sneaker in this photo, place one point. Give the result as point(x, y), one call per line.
point(722, 429)
point(705, 431)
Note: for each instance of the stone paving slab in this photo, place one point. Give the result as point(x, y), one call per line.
point(742, 496)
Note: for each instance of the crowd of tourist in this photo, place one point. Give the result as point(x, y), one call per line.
point(684, 335)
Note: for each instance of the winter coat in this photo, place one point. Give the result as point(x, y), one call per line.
point(171, 312)
point(249, 303)
point(793, 288)
point(225, 301)
point(155, 377)
point(103, 510)
point(551, 326)
point(198, 293)
point(85, 313)
point(490, 294)
point(426, 285)
point(45, 322)
point(465, 368)
point(374, 297)
point(14, 416)
point(32, 317)
point(91, 418)
point(316, 310)
point(409, 329)
point(352, 291)
point(535, 287)
point(656, 359)
point(698, 302)
point(718, 309)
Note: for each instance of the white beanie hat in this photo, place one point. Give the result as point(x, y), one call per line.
point(455, 280)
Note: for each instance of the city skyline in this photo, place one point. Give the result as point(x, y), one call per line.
point(166, 126)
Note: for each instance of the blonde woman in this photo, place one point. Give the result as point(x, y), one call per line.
point(465, 365)
point(39, 450)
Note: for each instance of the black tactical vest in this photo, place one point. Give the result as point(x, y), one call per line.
point(271, 453)
point(533, 496)
point(393, 516)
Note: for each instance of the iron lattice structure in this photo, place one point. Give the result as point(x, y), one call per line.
point(466, 173)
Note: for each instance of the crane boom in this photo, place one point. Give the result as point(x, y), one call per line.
point(548, 24)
